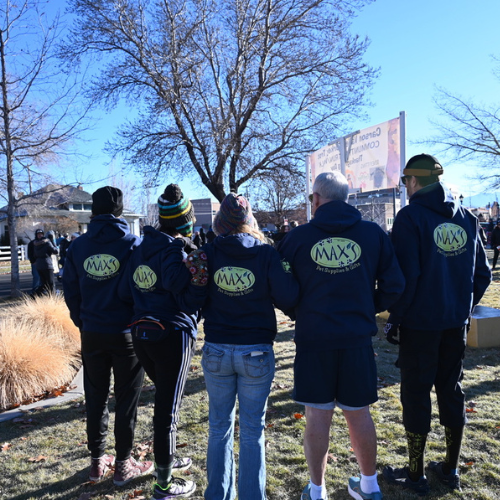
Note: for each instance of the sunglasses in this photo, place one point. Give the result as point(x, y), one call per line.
point(403, 179)
point(311, 196)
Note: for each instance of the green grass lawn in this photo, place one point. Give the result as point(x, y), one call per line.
point(44, 456)
point(44, 453)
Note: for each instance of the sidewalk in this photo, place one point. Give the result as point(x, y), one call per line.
point(71, 395)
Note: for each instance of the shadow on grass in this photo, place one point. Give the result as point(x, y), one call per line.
point(77, 485)
point(42, 417)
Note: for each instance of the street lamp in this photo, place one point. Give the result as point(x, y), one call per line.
point(461, 198)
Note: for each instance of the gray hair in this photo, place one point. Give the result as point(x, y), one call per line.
point(332, 186)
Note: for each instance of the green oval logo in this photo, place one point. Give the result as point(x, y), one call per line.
point(144, 277)
point(234, 279)
point(335, 252)
point(101, 265)
point(450, 237)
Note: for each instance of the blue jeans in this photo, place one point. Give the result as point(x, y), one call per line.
point(36, 278)
point(246, 371)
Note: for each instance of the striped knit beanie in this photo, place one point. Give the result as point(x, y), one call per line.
point(176, 211)
point(235, 211)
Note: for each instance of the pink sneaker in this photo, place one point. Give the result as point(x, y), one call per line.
point(100, 467)
point(126, 470)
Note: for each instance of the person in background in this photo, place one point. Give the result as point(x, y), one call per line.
point(495, 244)
point(32, 258)
point(446, 270)
point(197, 239)
point(247, 279)
point(44, 248)
point(203, 236)
point(164, 328)
point(347, 272)
point(283, 231)
point(63, 243)
point(210, 235)
point(95, 262)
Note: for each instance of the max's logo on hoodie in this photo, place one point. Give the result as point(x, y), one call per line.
point(234, 279)
point(450, 237)
point(144, 277)
point(101, 266)
point(335, 252)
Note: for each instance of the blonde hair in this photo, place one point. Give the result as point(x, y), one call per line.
point(251, 230)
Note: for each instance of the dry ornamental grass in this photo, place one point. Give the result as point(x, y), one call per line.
point(39, 348)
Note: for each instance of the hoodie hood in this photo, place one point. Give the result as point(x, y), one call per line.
point(336, 217)
point(438, 198)
point(107, 228)
point(155, 242)
point(241, 245)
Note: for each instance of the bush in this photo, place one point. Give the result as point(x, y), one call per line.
point(39, 349)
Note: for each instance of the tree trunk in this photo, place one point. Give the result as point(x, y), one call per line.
point(15, 288)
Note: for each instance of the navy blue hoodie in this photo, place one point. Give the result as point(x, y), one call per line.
point(246, 278)
point(347, 272)
point(442, 258)
point(156, 280)
point(94, 264)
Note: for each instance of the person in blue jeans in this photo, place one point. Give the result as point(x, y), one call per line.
point(247, 278)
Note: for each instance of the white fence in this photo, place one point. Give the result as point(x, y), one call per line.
point(21, 252)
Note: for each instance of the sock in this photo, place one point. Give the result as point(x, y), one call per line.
point(164, 474)
point(416, 449)
point(369, 484)
point(453, 445)
point(318, 492)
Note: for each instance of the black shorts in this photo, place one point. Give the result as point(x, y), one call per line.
point(346, 377)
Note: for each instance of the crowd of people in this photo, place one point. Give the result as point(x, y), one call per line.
point(138, 303)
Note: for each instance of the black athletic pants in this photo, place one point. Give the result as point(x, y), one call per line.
point(427, 359)
point(167, 364)
point(103, 354)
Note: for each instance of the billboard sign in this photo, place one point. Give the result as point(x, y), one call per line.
point(370, 159)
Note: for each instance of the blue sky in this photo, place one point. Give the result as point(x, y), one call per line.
point(424, 44)
point(418, 46)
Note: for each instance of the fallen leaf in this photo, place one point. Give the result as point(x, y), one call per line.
point(469, 464)
point(136, 495)
point(470, 410)
point(182, 445)
point(298, 415)
point(6, 446)
point(270, 425)
point(39, 458)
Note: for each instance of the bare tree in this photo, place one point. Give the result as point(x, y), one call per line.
point(280, 192)
point(38, 109)
point(469, 131)
point(224, 88)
